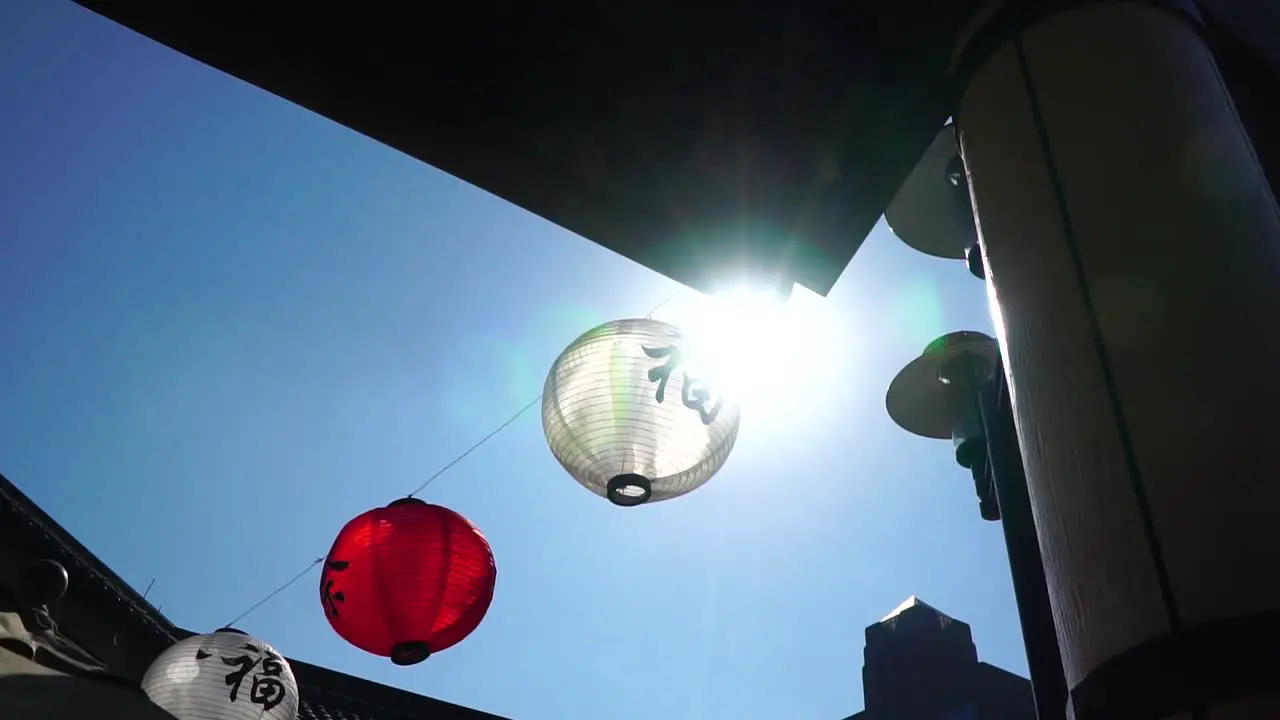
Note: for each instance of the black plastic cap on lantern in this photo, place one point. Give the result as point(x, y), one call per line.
point(628, 413)
point(629, 489)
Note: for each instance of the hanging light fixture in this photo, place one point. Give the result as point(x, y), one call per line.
point(938, 395)
point(627, 413)
point(932, 211)
point(224, 675)
point(407, 580)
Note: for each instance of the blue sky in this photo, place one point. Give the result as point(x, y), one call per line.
point(229, 325)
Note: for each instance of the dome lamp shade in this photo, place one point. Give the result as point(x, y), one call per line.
point(934, 396)
point(407, 580)
point(919, 400)
point(630, 416)
point(932, 211)
point(224, 675)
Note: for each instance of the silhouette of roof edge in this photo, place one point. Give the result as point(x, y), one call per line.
point(643, 133)
point(342, 695)
point(34, 527)
point(336, 695)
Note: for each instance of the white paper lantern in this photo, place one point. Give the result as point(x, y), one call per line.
point(627, 413)
point(225, 675)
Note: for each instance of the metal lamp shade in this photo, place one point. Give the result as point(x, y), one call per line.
point(931, 213)
point(225, 675)
point(628, 416)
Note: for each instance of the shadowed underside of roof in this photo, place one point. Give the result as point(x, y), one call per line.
point(24, 524)
point(703, 140)
point(330, 695)
point(708, 141)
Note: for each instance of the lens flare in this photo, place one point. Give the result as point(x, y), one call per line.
point(773, 355)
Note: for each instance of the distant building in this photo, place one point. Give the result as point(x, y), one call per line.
point(920, 664)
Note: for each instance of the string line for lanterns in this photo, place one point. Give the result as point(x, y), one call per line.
point(445, 468)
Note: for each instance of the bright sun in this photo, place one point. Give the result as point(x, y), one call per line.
point(774, 356)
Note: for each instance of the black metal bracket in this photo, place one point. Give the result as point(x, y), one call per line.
point(1005, 483)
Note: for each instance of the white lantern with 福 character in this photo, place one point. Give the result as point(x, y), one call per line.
point(632, 417)
point(224, 675)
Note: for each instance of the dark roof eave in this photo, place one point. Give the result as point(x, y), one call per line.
point(38, 529)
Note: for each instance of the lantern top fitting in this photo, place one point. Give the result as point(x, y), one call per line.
point(631, 415)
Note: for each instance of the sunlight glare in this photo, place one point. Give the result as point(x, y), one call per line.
point(774, 356)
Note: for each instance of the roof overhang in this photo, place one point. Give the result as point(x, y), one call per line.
point(709, 142)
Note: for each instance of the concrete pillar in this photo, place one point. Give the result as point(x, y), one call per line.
point(1132, 251)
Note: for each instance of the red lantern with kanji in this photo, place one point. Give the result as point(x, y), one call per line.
point(407, 580)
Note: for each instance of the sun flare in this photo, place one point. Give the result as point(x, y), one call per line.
point(770, 354)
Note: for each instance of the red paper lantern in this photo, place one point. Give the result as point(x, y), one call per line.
point(407, 580)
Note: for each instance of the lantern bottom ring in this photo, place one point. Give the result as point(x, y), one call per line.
point(410, 653)
point(629, 489)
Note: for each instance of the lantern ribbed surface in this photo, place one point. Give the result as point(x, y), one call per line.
point(407, 580)
point(627, 415)
point(225, 675)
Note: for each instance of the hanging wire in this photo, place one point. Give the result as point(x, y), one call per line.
point(276, 592)
point(444, 469)
point(662, 304)
point(479, 442)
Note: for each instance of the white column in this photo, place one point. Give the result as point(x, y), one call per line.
point(1132, 250)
